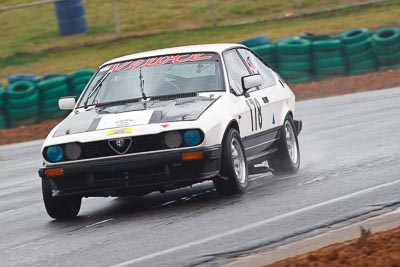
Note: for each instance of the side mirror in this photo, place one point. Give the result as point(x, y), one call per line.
point(67, 102)
point(251, 81)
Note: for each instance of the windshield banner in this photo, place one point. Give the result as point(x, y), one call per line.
point(156, 61)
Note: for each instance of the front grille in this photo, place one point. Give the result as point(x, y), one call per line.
point(139, 144)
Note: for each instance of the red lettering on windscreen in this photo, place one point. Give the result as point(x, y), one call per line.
point(134, 64)
point(156, 61)
point(120, 66)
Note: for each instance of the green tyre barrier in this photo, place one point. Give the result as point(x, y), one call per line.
point(287, 74)
point(52, 83)
point(20, 89)
point(78, 89)
point(294, 58)
point(51, 112)
point(294, 46)
point(355, 36)
point(369, 63)
point(54, 75)
point(57, 92)
point(80, 80)
point(51, 102)
point(361, 71)
point(386, 36)
point(329, 61)
point(270, 59)
point(341, 69)
point(357, 47)
point(334, 44)
point(389, 59)
point(362, 56)
point(79, 73)
point(330, 53)
point(255, 41)
point(2, 98)
point(389, 67)
point(314, 37)
point(24, 102)
point(307, 65)
point(305, 79)
point(3, 122)
point(264, 49)
point(387, 49)
point(22, 113)
point(20, 122)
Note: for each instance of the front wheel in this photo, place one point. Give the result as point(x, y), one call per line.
point(59, 207)
point(234, 170)
point(287, 158)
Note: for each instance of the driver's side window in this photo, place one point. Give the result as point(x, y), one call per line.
point(236, 70)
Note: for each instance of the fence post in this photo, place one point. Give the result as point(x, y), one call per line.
point(298, 3)
point(116, 18)
point(213, 15)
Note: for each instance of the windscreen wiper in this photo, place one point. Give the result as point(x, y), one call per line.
point(142, 84)
point(96, 88)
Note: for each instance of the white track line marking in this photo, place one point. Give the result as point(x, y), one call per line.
point(252, 225)
point(94, 224)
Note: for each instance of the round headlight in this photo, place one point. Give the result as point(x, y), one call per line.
point(173, 139)
point(192, 137)
point(72, 151)
point(54, 153)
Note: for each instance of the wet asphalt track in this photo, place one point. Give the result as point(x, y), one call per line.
point(350, 149)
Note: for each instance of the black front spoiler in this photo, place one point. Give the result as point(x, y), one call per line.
point(153, 170)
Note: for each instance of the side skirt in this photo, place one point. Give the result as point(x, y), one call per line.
point(260, 146)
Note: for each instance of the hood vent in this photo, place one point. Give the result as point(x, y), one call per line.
point(174, 96)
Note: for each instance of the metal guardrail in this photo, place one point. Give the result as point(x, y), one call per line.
point(25, 5)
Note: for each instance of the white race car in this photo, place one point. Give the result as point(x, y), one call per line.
point(170, 118)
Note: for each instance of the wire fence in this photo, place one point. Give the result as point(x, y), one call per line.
point(31, 25)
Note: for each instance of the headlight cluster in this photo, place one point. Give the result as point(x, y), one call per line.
point(71, 151)
point(175, 139)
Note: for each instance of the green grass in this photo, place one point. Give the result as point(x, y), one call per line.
point(34, 48)
point(35, 29)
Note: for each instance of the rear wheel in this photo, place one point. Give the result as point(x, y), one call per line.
point(287, 158)
point(234, 170)
point(59, 207)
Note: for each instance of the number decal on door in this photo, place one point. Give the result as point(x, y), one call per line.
point(256, 114)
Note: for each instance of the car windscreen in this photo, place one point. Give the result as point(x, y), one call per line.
point(155, 77)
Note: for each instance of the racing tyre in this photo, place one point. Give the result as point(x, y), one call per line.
point(287, 158)
point(61, 207)
point(234, 177)
point(355, 36)
point(387, 36)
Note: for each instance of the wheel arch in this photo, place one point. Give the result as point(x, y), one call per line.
point(233, 124)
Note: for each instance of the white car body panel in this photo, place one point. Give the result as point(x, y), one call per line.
point(214, 121)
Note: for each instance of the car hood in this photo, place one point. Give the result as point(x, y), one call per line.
point(139, 113)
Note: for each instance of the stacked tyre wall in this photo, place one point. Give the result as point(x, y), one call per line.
point(310, 57)
point(29, 99)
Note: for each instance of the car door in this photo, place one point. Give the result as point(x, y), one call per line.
point(266, 103)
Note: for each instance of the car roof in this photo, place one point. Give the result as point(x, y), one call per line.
point(217, 48)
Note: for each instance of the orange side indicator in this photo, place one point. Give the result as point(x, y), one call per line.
point(54, 172)
point(192, 155)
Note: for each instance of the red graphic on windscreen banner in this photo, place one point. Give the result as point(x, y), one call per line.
point(156, 61)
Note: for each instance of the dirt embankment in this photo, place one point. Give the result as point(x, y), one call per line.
point(336, 86)
point(377, 250)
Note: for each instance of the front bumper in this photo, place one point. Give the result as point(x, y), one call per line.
point(128, 173)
